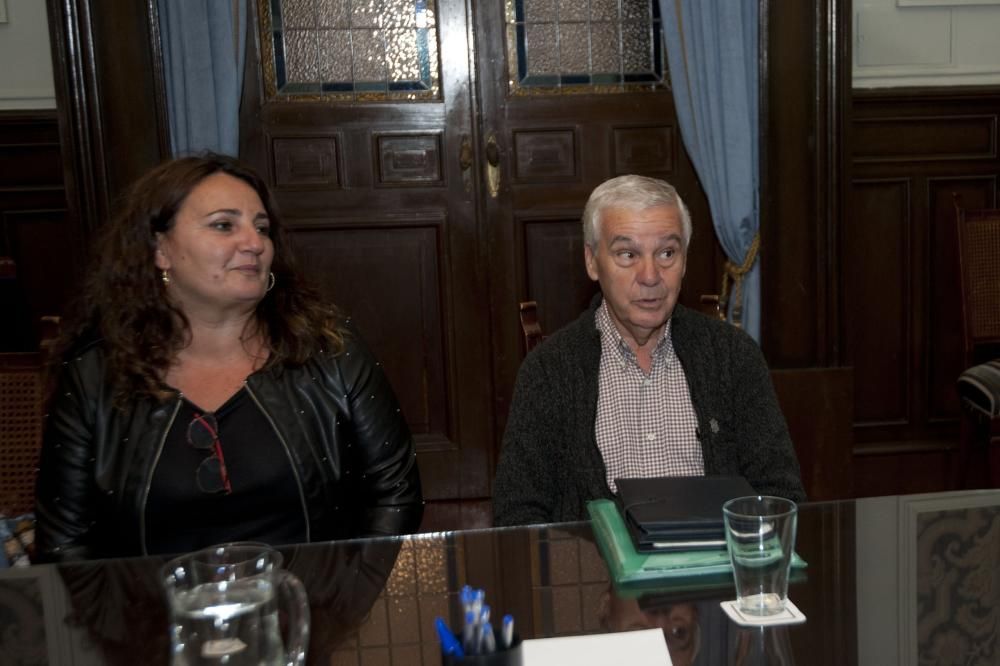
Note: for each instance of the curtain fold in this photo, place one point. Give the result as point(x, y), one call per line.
point(204, 45)
point(712, 53)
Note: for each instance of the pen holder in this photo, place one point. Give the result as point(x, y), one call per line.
point(509, 657)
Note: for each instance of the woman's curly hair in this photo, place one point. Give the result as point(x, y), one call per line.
point(124, 301)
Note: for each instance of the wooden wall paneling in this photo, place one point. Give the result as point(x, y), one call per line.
point(37, 240)
point(902, 470)
point(34, 234)
point(911, 139)
point(878, 300)
point(818, 404)
point(939, 142)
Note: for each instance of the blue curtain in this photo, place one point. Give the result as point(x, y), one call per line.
point(712, 54)
point(203, 44)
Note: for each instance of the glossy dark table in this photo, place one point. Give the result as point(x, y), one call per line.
point(896, 580)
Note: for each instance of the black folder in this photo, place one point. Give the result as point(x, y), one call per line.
point(678, 512)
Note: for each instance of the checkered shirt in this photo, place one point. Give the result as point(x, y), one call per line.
point(646, 425)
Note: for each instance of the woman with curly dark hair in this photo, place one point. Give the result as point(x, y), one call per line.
point(205, 394)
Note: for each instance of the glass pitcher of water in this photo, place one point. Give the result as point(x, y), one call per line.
point(225, 603)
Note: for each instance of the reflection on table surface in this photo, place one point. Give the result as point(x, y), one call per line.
point(893, 580)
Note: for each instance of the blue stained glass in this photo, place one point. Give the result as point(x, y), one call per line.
point(279, 59)
point(338, 87)
point(522, 51)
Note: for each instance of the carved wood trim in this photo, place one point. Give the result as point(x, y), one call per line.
point(100, 157)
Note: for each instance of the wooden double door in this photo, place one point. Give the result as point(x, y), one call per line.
point(427, 203)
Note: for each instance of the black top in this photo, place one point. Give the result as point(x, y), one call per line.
point(351, 451)
point(264, 505)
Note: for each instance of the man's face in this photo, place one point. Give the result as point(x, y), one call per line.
point(640, 262)
point(679, 623)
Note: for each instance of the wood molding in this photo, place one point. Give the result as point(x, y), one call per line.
point(109, 92)
point(805, 108)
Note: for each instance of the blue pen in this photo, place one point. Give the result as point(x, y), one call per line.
point(507, 631)
point(449, 644)
point(465, 596)
point(469, 633)
point(478, 598)
point(489, 641)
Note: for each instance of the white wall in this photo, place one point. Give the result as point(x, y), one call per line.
point(26, 80)
point(926, 43)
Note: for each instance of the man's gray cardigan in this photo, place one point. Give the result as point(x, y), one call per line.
point(550, 465)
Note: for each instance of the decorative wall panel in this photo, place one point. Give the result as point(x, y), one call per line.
point(922, 139)
point(648, 150)
point(408, 159)
point(545, 155)
point(878, 297)
point(305, 162)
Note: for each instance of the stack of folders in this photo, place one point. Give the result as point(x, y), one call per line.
point(629, 566)
point(678, 513)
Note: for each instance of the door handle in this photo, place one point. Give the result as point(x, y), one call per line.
point(492, 166)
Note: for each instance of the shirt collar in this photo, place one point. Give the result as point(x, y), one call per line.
point(613, 342)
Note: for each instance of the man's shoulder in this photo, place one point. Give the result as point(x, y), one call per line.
point(706, 344)
point(575, 338)
point(691, 325)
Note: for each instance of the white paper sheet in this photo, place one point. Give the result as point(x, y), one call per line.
point(635, 648)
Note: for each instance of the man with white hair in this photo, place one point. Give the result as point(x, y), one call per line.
point(638, 385)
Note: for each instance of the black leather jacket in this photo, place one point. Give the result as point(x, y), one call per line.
point(334, 416)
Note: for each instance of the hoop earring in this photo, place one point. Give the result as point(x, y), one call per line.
point(165, 276)
point(270, 282)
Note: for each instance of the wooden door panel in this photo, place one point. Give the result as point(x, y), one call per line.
point(382, 211)
point(554, 273)
point(389, 205)
point(402, 293)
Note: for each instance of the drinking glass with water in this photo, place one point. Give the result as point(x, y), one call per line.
point(760, 534)
point(224, 605)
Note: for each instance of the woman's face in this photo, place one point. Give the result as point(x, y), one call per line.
point(218, 253)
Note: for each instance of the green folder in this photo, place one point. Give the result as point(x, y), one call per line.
point(630, 567)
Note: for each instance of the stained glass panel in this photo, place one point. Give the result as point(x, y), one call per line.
point(350, 49)
point(584, 46)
